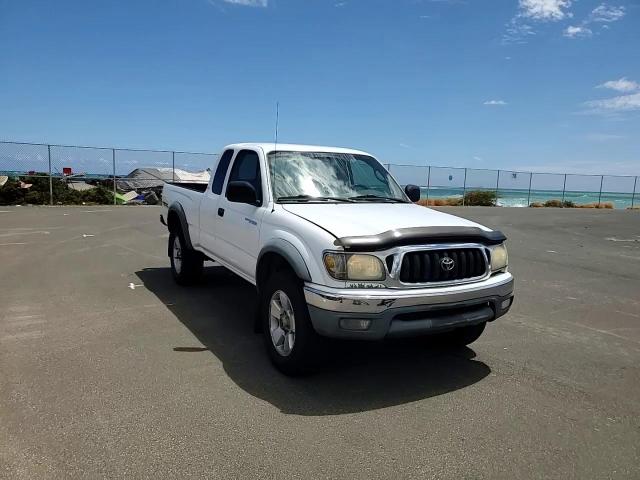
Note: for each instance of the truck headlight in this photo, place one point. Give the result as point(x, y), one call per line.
point(499, 258)
point(344, 266)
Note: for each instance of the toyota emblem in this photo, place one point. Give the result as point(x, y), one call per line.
point(447, 264)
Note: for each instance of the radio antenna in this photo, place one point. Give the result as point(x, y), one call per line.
point(275, 146)
point(277, 122)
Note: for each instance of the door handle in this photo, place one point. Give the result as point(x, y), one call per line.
point(221, 212)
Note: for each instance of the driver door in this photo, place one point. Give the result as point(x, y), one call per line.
point(238, 231)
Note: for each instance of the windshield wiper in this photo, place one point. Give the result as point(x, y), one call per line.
point(377, 197)
point(311, 198)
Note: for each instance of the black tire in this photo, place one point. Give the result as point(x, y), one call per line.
point(304, 355)
point(461, 337)
point(189, 269)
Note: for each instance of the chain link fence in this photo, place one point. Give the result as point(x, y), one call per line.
point(508, 188)
point(63, 174)
point(67, 174)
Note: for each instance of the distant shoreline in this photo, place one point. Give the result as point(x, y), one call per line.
point(524, 198)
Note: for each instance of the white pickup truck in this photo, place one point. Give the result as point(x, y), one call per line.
point(336, 249)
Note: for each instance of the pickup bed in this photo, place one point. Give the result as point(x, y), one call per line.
point(335, 248)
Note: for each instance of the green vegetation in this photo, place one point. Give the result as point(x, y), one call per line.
point(570, 204)
point(474, 198)
point(38, 194)
point(481, 198)
point(554, 204)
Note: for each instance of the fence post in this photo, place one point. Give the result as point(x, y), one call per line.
point(633, 196)
point(113, 156)
point(529, 195)
point(497, 187)
point(464, 186)
point(600, 194)
point(50, 178)
point(428, 184)
point(564, 188)
point(173, 165)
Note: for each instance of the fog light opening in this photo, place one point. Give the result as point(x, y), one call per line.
point(506, 303)
point(355, 324)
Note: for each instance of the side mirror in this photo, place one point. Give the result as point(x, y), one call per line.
point(413, 192)
point(242, 192)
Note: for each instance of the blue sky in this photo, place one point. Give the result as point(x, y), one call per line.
point(549, 85)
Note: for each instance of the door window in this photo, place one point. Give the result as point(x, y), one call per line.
point(221, 172)
point(246, 168)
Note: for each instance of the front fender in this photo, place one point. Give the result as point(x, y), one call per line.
point(290, 253)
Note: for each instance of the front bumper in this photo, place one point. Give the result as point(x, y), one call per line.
point(407, 312)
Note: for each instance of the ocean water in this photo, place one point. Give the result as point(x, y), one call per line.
point(522, 198)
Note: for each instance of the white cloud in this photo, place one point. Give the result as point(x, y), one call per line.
point(601, 14)
point(517, 32)
point(606, 13)
point(621, 85)
point(577, 31)
point(498, 103)
point(249, 3)
point(616, 105)
point(622, 103)
point(518, 29)
point(545, 10)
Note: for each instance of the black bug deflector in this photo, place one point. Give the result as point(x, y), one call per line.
point(418, 236)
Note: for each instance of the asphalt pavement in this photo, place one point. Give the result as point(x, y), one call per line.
point(110, 370)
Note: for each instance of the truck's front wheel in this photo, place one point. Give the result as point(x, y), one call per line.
point(291, 341)
point(186, 264)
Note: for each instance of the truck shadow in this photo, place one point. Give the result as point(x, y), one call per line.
point(358, 376)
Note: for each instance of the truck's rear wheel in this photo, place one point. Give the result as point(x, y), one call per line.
point(461, 337)
point(291, 341)
point(186, 264)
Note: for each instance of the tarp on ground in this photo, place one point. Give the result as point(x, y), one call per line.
point(80, 186)
point(144, 178)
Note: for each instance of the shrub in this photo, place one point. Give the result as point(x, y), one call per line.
point(38, 193)
point(553, 204)
point(440, 202)
point(98, 195)
point(481, 198)
point(602, 205)
point(570, 204)
point(558, 204)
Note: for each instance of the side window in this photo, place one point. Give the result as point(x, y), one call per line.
point(246, 168)
point(221, 172)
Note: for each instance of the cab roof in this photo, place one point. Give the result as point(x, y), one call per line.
point(289, 147)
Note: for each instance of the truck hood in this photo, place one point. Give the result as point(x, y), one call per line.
point(358, 219)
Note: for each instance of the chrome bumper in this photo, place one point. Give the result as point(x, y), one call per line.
point(381, 300)
point(407, 312)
